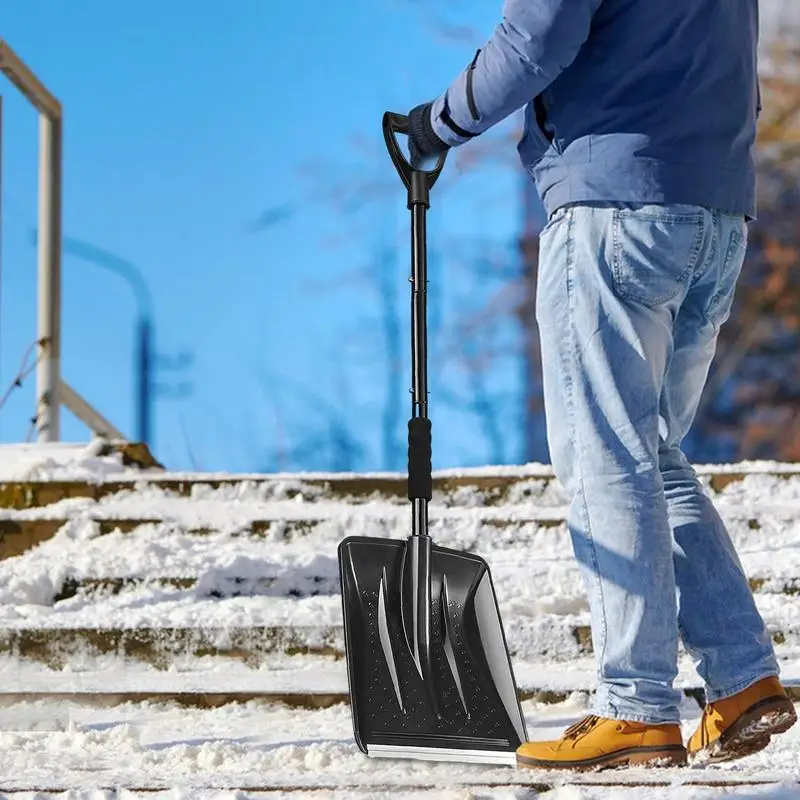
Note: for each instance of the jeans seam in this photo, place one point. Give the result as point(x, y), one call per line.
point(716, 320)
point(610, 712)
point(573, 350)
point(713, 696)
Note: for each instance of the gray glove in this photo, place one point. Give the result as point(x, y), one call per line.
point(424, 146)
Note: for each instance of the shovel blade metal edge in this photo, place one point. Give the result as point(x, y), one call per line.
point(477, 717)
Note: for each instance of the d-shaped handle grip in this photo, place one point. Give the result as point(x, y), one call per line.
point(417, 181)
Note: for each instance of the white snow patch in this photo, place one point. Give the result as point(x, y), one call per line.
point(64, 744)
point(62, 461)
point(247, 579)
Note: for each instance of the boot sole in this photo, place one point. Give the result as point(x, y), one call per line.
point(672, 756)
point(750, 733)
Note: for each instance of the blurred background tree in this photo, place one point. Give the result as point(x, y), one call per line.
point(485, 362)
point(751, 407)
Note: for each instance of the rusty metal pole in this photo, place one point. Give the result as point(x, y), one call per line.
point(48, 373)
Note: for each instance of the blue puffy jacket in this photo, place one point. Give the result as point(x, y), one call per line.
point(642, 101)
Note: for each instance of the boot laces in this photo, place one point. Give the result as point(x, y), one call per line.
point(705, 723)
point(581, 727)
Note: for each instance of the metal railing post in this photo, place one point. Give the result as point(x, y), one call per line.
point(49, 267)
point(1, 231)
point(48, 369)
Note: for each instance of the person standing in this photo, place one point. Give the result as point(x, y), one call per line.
point(639, 130)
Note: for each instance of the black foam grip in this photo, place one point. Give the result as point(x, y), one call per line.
point(420, 481)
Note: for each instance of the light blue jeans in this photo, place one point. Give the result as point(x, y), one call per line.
point(630, 300)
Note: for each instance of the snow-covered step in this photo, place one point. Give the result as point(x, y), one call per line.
point(226, 528)
point(248, 501)
point(488, 486)
point(225, 583)
point(307, 681)
point(549, 637)
point(474, 487)
point(540, 584)
point(292, 677)
point(536, 572)
point(327, 526)
point(75, 461)
point(556, 639)
point(311, 681)
point(254, 747)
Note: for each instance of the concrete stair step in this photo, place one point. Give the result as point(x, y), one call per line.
point(232, 586)
point(298, 676)
point(309, 700)
point(307, 586)
point(303, 681)
point(17, 536)
point(547, 637)
point(475, 529)
point(354, 489)
point(490, 486)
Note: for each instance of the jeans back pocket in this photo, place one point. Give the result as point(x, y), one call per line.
point(655, 251)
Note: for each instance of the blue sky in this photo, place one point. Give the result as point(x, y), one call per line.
point(184, 123)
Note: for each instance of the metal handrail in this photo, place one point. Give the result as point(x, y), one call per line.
point(51, 391)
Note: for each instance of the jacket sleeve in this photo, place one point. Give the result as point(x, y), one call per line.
point(534, 43)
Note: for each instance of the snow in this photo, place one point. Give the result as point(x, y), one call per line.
point(273, 746)
point(65, 461)
point(249, 552)
point(278, 675)
point(61, 461)
point(247, 579)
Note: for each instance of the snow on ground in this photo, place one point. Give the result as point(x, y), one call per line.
point(65, 461)
point(61, 461)
point(522, 539)
point(679, 792)
point(58, 743)
point(63, 744)
point(279, 674)
point(246, 580)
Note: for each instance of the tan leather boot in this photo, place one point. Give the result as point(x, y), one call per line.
point(742, 724)
point(598, 743)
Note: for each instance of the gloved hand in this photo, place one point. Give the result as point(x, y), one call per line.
point(424, 146)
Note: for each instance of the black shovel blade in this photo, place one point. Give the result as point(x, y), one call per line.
point(471, 713)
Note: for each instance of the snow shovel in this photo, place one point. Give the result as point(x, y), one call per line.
point(427, 662)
